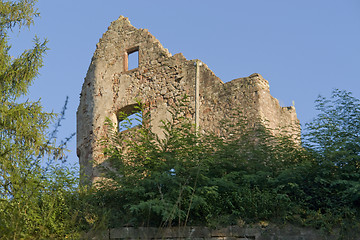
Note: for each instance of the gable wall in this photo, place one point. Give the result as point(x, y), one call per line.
point(159, 81)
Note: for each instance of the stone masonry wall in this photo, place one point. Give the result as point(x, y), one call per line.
point(270, 232)
point(159, 81)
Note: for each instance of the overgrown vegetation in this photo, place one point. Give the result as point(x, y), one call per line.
point(188, 178)
point(184, 178)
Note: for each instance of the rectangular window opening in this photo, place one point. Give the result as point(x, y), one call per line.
point(133, 58)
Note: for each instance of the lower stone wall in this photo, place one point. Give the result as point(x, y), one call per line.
point(270, 232)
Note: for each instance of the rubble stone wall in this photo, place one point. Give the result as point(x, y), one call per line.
point(270, 232)
point(159, 81)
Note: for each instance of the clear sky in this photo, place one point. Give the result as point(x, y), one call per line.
point(302, 47)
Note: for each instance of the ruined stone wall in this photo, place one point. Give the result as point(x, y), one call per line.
point(159, 81)
point(269, 232)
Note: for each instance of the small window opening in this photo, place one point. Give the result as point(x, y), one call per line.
point(133, 58)
point(130, 121)
point(129, 117)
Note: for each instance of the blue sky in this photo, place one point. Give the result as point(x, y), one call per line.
point(302, 47)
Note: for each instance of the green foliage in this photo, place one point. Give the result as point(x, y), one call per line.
point(333, 139)
point(192, 178)
point(182, 178)
point(34, 189)
point(251, 176)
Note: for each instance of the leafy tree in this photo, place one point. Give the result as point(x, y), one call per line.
point(333, 137)
point(325, 186)
point(32, 192)
point(335, 133)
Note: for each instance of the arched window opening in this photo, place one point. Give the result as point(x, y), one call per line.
point(129, 117)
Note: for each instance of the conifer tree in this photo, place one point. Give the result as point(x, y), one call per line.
point(23, 134)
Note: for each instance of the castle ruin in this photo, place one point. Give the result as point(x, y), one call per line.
point(158, 79)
